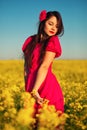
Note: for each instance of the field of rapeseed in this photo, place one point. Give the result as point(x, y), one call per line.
point(17, 106)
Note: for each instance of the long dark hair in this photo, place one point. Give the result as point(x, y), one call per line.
point(44, 40)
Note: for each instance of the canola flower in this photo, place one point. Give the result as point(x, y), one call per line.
point(48, 118)
point(17, 106)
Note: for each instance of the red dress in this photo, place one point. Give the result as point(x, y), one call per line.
point(49, 88)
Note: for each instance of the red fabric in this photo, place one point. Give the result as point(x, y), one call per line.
point(54, 46)
point(50, 88)
point(27, 41)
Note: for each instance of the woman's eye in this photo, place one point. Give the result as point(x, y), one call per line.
point(50, 23)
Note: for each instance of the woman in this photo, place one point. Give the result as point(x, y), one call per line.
point(39, 53)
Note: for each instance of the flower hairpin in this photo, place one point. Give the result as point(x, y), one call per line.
point(43, 15)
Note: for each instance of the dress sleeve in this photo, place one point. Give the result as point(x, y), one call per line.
point(27, 41)
point(54, 46)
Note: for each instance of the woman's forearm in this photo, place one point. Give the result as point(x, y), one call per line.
point(41, 74)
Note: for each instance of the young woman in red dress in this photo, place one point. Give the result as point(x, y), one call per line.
point(39, 52)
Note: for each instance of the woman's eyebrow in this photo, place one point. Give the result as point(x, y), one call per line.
point(50, 21)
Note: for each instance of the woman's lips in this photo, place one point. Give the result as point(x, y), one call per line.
point(51, 32)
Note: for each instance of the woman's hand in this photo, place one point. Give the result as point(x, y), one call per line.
point(37, 97)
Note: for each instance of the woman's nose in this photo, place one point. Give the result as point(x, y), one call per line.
point(53, 28)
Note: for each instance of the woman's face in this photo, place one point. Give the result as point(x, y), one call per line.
point(51, 26)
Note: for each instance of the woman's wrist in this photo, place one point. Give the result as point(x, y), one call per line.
point(34, 92)
point(36, 95)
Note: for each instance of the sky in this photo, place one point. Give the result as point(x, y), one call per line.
point(19, 19)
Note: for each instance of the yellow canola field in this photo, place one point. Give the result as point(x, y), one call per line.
point(17, 106)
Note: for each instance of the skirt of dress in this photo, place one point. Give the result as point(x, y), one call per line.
point(51, 90)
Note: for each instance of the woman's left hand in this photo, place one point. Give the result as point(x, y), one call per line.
point(37, 97)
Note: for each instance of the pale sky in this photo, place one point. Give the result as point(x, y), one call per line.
point(19, 18)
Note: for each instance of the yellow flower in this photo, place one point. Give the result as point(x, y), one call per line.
point(9, 127)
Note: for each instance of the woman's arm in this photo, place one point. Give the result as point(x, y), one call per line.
point(42, 71)
point(41, 74)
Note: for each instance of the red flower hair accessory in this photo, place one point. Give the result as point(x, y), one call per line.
point(43, 15)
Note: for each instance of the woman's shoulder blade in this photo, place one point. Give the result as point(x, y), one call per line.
point(26, 42)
